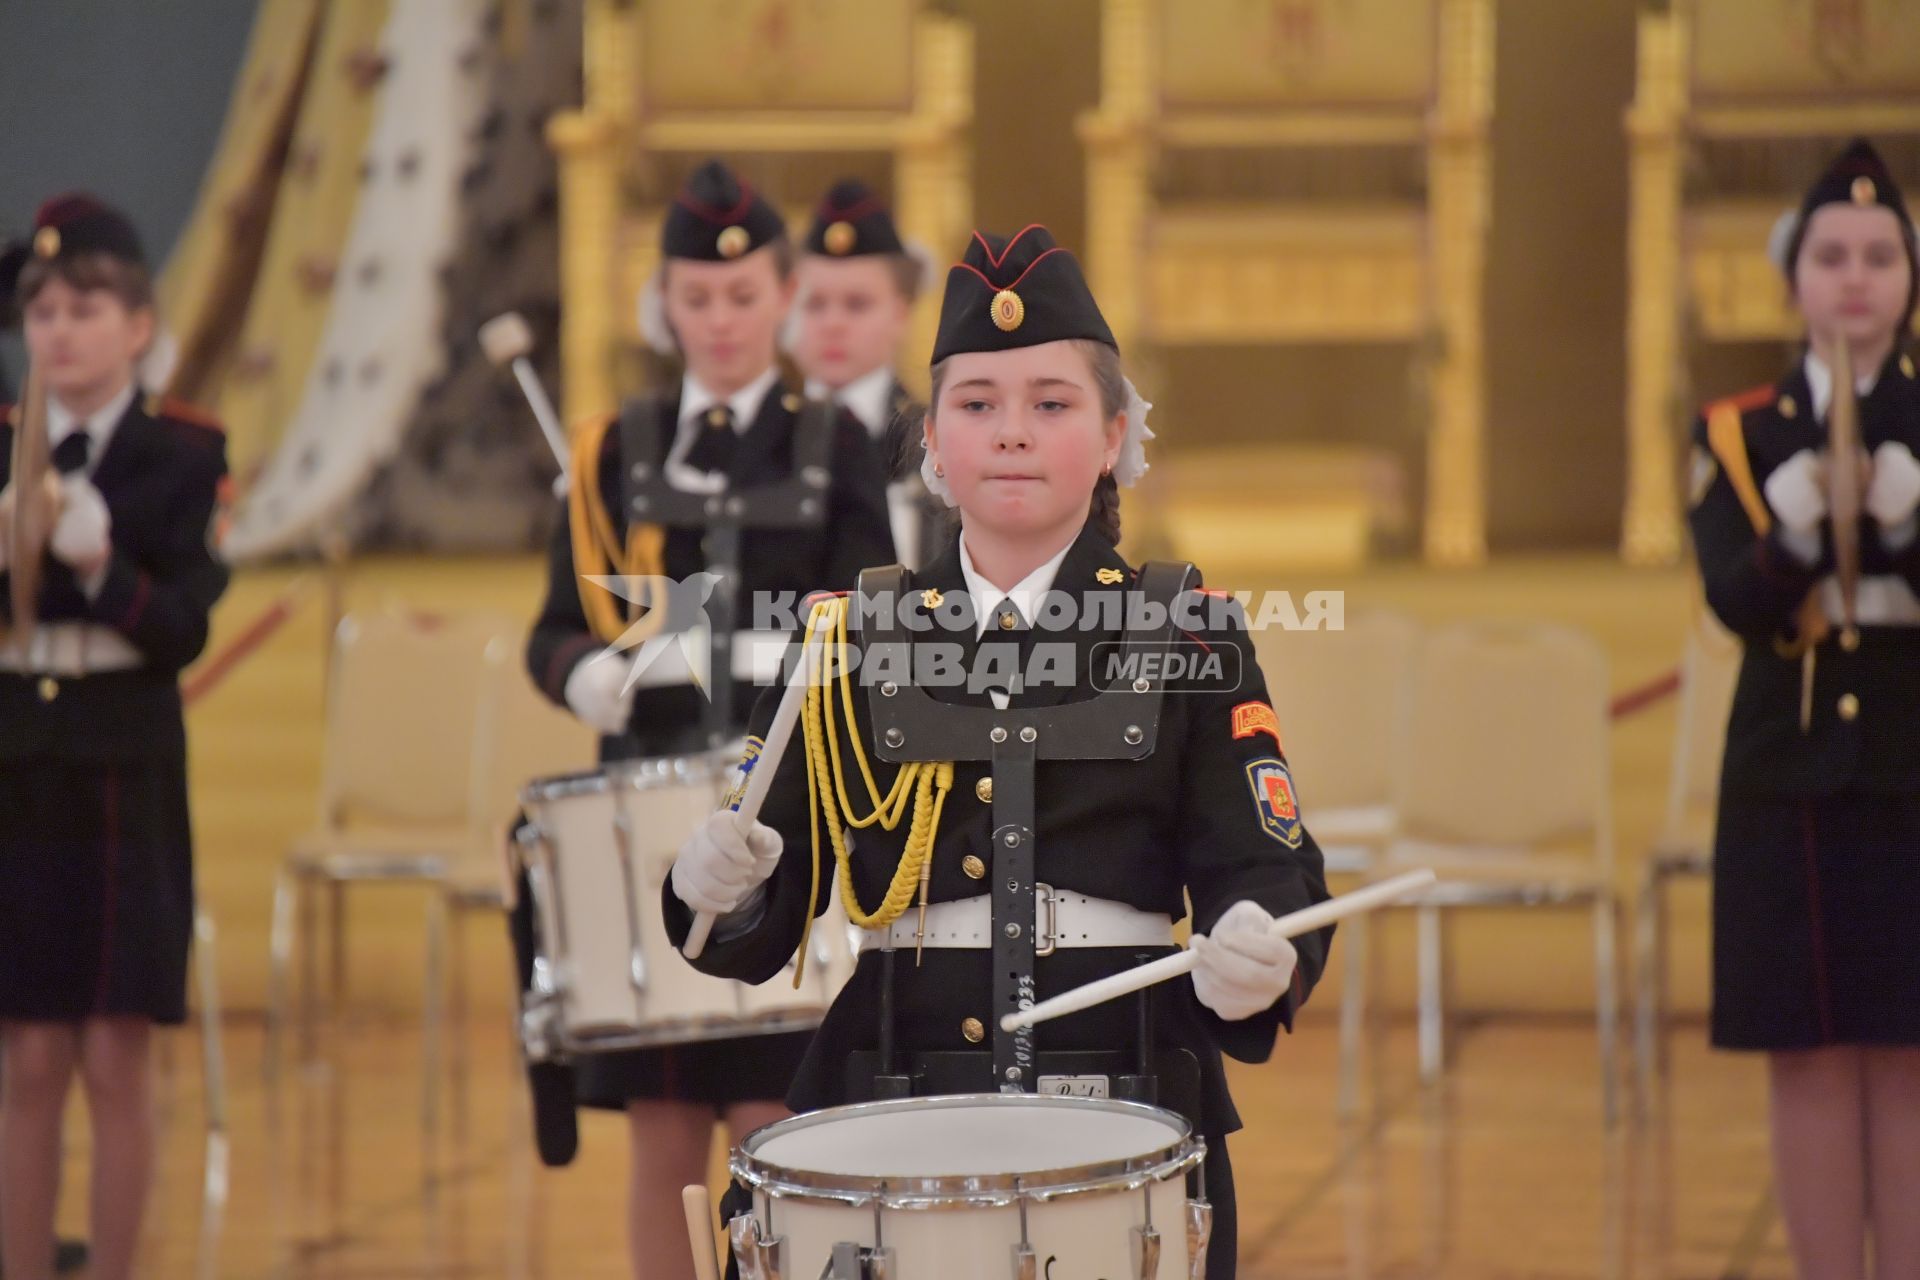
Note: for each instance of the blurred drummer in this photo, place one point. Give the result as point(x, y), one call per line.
point(724, 287)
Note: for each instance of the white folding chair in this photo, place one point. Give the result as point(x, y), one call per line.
point(395, 786)
point(1341, 699)
point(1503, 788)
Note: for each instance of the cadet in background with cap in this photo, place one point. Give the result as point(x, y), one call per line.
point(858, 281)
point(1816, 904)
point(96, 862)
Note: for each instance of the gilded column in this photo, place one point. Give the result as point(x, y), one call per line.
point(587, 146)
point(1458, 196)
point(1650, 526)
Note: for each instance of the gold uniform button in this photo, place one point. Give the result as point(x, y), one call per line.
point(716, 417)
point(49, 688)
point(1006, 622)
point(974, 1030)
point(1849, 639)
point(1849, 706)
point(1787, 407)
point(1906, 365)
point(983, 790)
point(975, 869)
point(791, 402)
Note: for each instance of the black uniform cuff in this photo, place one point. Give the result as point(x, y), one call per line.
point(124, 594)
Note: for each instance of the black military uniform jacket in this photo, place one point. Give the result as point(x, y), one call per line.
point(162, 477)
point(1861, 733)
point(855, 533)
point(1187, 821)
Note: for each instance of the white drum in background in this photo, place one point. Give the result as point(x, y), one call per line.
point(970, 1187)
point(598, 848)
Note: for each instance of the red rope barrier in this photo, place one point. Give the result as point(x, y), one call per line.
point(211, 671)
point(1637, 700)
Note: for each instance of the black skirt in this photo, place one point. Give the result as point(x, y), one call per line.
point(1816, 920)
point(715, 1073)
point(96, 890)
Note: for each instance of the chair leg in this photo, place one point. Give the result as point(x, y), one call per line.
point(1649, 964)
point(457, 1022)
point(213, 1058)
point(279, 957)
point(1606, 962)
point(433, 999)
point(337, 945)
point(308, 939)
point(1431, 943)
point(1353, 1016)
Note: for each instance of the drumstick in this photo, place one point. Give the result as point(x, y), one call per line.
point(699, 1210)
point(1291, 925)
point(507, 340)
point(760, 779)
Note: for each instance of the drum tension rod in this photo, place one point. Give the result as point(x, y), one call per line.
point(1026, 1264)
point(1146, 1242)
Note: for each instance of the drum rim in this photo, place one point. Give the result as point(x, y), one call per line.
point(642, 773)
point(945, 1191)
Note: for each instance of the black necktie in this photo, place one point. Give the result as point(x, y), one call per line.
point(714, 447)
point(70, 455)
point(1003, 651)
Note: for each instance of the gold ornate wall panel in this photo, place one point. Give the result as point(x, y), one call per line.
point(730, 56)
point(1233, 276)
point(881, 88)
point(1333, 176)
point(1763, 53)
point(1737, 104)
point(1295, 54)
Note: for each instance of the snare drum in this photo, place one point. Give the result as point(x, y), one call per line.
point(597, 849)
point(975, 1185)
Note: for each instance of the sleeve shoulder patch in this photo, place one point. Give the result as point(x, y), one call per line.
point(1274, 803)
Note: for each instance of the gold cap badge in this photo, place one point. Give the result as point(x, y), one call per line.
point(733, 242)
point(1862, 190)
point(840, 238)
point(46, 241)
point(1008, 310)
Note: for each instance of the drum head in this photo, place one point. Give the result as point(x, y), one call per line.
point(1043, 1141)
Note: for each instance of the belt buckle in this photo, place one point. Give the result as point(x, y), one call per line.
point(1046, 936)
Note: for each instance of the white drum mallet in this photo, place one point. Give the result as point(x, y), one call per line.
point(508, 341)
point(1291, 925)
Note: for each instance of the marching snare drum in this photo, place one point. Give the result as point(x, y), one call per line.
point(973, 1186)
point(597, 848)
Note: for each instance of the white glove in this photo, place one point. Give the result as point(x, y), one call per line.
point(719, 866)
point(596, 691)
point(1243, 967)
point(1797, 492)
point(1895, 490)
point(80, 535)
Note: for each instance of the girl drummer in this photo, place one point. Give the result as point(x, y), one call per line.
point(729, 425)
point(1816, 942)
point(1032, 429)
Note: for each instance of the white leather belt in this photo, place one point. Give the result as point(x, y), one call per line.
point(70, 649)
point(1065, 920)
point(756, 659)
point(1883, 600)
